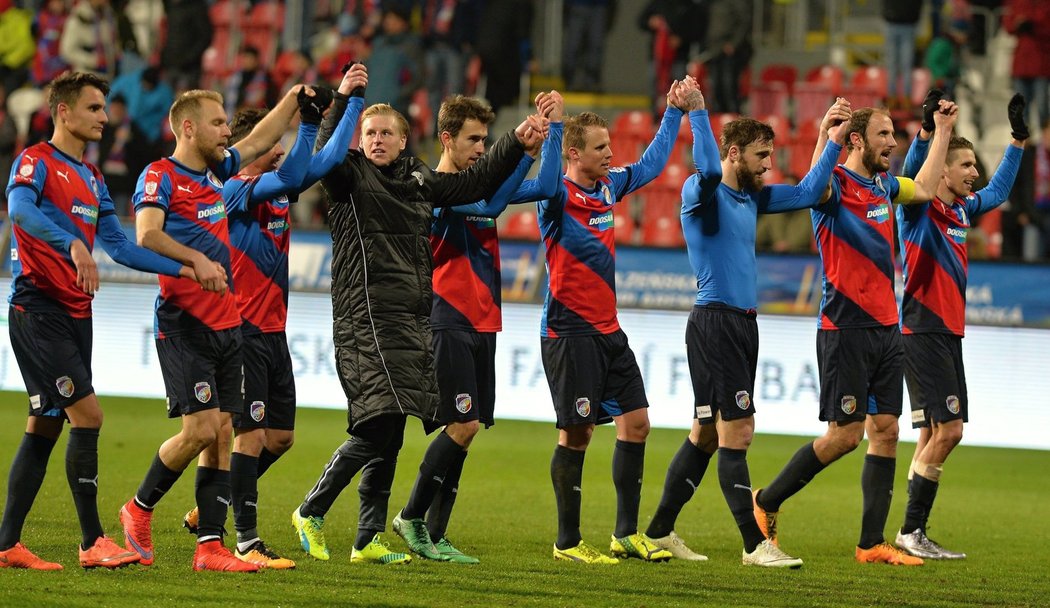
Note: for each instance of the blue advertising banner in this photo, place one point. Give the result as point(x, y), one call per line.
point(649, 278)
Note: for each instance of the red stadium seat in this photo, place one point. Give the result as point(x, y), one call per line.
point(625, 226)
point(661, 222)
point(780, 72)
point(631, 132)
point(872, 78)
point(812, 100)
point(719, 120)
point(522, 225)
point(769, 99)
point(781, 128)
point(828, 75)
point(921, 81)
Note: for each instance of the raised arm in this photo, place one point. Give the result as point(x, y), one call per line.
point(814, 187)
point(998, 189)
point(269, 130)
point(933, 169)
point(333, 139)
point(288, 178)
point(654, 159)
point(839, 111)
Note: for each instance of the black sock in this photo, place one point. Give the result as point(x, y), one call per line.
point(684, 474)
point(82, 475)
point(442, 451)
point(376, 479)
point(567, 476)
point(363, 538)
point(23, 483)
point(213, 502)
point(158, 481)
point(266, 459)
point(441, 509)
point(799, 471)
point(628, 463)
point(244, 482)
point(735, 480)
point(921, 494)
point(876, 482)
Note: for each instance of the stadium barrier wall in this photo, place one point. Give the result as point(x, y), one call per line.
point(1009, 387)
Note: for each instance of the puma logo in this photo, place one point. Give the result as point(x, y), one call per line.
point(184, 189)
point(157, 173)
point(692, 484)
point(85, 480)
point(64, 176)
point(223, 500)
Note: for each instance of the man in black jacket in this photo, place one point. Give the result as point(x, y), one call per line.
point(381, 209)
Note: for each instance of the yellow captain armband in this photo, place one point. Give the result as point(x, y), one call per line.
point(907, 191)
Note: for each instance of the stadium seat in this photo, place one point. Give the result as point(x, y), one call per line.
point(661, 222)
point(769, 99)
point(22, 104)
point(522, 225)
point(625, 226)
point(631, 133)
point(921, 81)
point(781, 128)
point(869, 81)
point(227, 14)
point(719, 120)
point(420, 114)
point(780, 72)
point(828, 75)
point(812, 100)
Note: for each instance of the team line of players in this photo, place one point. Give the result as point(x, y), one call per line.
point(416, 288)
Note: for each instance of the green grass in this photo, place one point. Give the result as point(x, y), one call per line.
point(992, 505)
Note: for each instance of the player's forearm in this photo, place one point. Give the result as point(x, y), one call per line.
point(807, 192)
point(998, 189)
point(113, 240)
point(548, 180)
point(654, 159)
point(480, 181)
point(706, 157)
point(269, 130)
point(917, 153)
point(288, 178)
point(933, 168)
point(156, 240)
point(337, 143)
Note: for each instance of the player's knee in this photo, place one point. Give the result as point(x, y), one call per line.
point(577, 437)
point(636, 430)
point(463, 432)
point(280, 444)
point(949, 435)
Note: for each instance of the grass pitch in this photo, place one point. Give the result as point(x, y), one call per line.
point(992, 506)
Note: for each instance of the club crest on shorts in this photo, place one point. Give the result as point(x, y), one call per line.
point(202, 390)
point(583, 406)
point(463, 403)
point(257, 410)
point(743, 400)
point(65, 386)
point(849, 404)
point(953, 403)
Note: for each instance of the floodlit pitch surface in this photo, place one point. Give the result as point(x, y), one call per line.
point(992, 505)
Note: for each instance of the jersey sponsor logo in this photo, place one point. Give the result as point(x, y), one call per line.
point(952, 402)
point(849, 404)
point(64, 176)
point(85, 211)
point(583, 407)
point(257, 410)
point(918, 416)
point(703, 411)
point(65, 386)
point(601, 221)
point(956, 234)
point(213, 213)
point(277, 227)
point(743, 400)
point(480, 222)
point(879, 212)
point(463, 403)
point(202, 391)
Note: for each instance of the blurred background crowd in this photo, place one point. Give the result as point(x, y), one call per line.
point(781, 61)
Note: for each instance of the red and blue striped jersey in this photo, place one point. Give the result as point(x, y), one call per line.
point(854, 233)
point(195, 216)
point(73, 196)
point(933, 240)
point(260, 236)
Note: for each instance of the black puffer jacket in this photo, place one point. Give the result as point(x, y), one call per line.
point(381, 271)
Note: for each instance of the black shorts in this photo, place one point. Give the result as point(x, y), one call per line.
point(861, 372)
point(465, 362)
point(721, 343)
point(592, 378)
point(202, 371)
point(269, 386)
point(933, 368)
point(53, 351)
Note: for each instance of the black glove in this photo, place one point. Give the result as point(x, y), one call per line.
point(929, 106)
point(1015, 110)
point(312, 108)
point(358, 91)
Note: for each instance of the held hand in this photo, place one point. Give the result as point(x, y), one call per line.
point(533, 142)
point(929, 106)
point(946, 116)
point(689, 95)
point(355, 79)
point(211, 275)
point(672, 94)
point(87, 271)
point(533, 122)
point(1015, 110)
point(838, 113)
point(837, 133)
point(313, 101)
